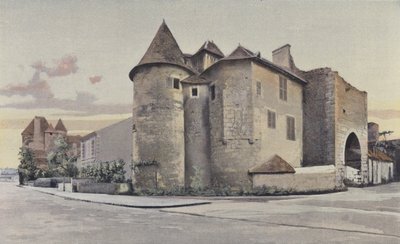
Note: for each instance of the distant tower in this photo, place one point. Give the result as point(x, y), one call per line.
point(158, 113)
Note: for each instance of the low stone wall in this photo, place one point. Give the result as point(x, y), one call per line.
point(102, 188)
point(50, 182)
point(68, 187)
point(76, 181)
point(298, 182)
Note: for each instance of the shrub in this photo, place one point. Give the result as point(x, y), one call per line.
point(106, 172)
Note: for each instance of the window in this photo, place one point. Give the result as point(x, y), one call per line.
point(290, 135)
point(258, 88)
point(212, 92)
point(195, 92)
point(172, 82)
point(83, 151)
point(92, 147)
point(282, 88)
point(176, 83)
point(271, 119)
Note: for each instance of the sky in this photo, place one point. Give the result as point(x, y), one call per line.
point(71, 59)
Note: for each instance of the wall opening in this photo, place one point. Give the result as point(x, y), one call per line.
point(352, 154)
point(352, 160)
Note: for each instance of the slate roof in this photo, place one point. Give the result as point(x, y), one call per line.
point(211, 47)
point(380, 156)
point(163, 49)
point(29, 130)
point(275, 165)
point(242, 53)
point(60, 126)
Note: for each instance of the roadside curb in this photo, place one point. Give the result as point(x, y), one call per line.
point(114, 203)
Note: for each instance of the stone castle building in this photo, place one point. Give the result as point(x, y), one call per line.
point(213, 120)
point(39, 136)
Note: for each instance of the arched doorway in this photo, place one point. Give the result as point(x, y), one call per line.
point(352, 159)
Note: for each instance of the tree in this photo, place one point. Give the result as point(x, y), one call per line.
point(60, 160)
point(106, 172)
point(27, 168)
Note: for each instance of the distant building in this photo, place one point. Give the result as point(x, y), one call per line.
point(39, 136)
point(111, 143)
point(211, 120)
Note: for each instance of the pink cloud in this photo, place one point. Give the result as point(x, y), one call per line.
point(62, 67)
point(95, 79)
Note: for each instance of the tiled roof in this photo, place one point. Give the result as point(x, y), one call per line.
point(241, 53)
point(29, 130)
point(50, 128)
point(60, 126)
point(163, 49)
point(212, 48)
point(380, 156)
point(195, 79)
point(275, 165)
point(74, 139)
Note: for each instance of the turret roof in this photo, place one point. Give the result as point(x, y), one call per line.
point(50, 128)
point(29, 130)
point(60, 126)
point(163, 49)
point(212, 48)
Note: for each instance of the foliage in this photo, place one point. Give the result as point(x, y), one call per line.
point(106, 172)
point(27, 167)
point(60, 160)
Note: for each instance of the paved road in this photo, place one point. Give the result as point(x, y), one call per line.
point(368, 215)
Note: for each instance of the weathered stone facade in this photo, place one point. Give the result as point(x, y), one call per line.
point(207, 119)
point(333, 110)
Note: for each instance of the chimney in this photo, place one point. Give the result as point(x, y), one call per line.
point(282, 57)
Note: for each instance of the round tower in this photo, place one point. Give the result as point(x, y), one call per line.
point(158, 114)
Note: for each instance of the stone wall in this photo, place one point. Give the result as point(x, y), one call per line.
point(197, 136)
point(231, 121)
point(297, 183)
point(319, 118)
point(158, 122)
point(274, 140)
point(351, 117)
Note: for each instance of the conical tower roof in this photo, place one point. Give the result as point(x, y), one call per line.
point(163, 49)
point(60, 126)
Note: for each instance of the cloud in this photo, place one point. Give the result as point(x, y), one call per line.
point(36, 87)
point(384, 113)
point(43, 97)
point(62, 67)
point(95, 79)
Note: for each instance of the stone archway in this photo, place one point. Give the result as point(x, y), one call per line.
point(352, 159)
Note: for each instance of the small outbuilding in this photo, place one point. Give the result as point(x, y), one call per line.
point(380, 167)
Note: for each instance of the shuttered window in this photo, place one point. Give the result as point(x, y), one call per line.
point(290, 128)
point(271, 119)
point(282, 88)
point(258, 88)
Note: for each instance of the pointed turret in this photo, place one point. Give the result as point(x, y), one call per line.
point(211, 47)
point(60, 126)
point(163, 49)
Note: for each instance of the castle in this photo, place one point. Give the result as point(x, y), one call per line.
point(40, 135)
point(213, 120)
